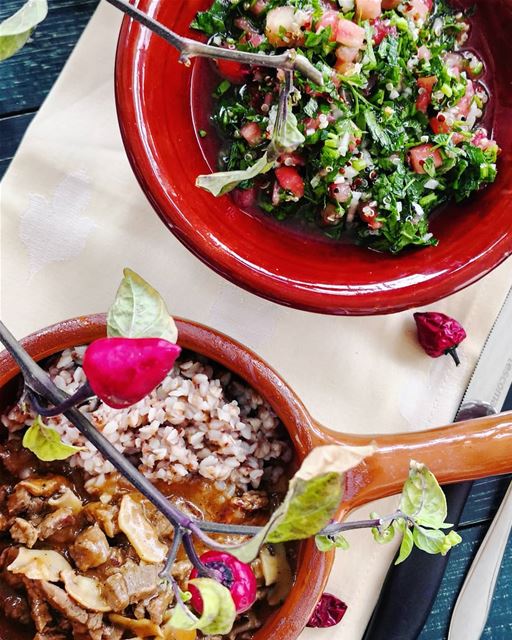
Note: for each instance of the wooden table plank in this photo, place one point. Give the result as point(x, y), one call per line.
point(499, 626)
point(27, 77)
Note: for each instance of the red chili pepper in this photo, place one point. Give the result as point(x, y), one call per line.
point(439, 334)
point(122, 371)
point(237, 576)
point(328, 612)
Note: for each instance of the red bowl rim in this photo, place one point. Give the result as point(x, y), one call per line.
point(306, 297)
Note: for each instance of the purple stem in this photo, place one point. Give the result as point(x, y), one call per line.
point(202, 569)
point(81, 394)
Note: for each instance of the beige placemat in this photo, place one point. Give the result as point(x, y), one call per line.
point(73, 215)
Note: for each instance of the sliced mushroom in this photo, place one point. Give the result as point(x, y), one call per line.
point(67, 500)
point(141, 628)
point(143, 538)
point(39, 564)
point(85, 591)
point(276, 571)
point(43, 487)
point(178, 634)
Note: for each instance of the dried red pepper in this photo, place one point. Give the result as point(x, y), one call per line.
point(328, 612)
point(439, 334)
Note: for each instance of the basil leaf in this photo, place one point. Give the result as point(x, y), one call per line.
point(218, 614)
point(313, 498)
point(422, 497)
point(45, 443)
point(406, 546)
point(16, 30)
point(328, 543)
point(224, 181)
point(139, 311)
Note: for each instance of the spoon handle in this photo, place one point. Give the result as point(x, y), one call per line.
point(475, 599)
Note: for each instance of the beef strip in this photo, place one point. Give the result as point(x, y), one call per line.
point(13, 605)
point(56, 521)
point(84, 624)
point(181, 570)
point(158, 605)
point(4, 522)
point(24, 532)
point(244, 628)
point(91, 548)
point(51, 635)
point(40, 611)
point(130, 584)
point(105, 515)
point(20, 501)
point(18, 461)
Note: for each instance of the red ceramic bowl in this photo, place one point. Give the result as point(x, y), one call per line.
point(162, 103)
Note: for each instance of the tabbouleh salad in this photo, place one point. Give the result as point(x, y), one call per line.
point(393, 133)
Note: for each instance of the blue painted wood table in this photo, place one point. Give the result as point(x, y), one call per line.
point(25, 80)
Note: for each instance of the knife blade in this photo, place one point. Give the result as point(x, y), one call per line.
point(410, 589)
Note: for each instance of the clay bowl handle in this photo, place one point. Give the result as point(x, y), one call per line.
point(461, 451)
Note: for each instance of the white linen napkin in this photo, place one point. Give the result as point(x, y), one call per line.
point(73, 216)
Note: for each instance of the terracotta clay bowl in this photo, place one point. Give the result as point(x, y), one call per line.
point(161, 105)
point(462, 451)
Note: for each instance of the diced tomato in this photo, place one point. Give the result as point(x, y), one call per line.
point(382, 29)
point(464, 104)
point(252, 133)
point(245, 198)
point(346, 54)
point(350, 34)
point(368, 9)
point(258, 7)
point(291, 159)
point(439, 124)
point(418, 9)
point(251, 35)
point(424, 53)
point(457, 138)
point(390, 4)
point(481, 140)
point(290, 180)
point(425, 88)
point(340, 192)
point(233, 71)
point(329, 19)
point(368, 214)
point(418, 155)
point(284, 25)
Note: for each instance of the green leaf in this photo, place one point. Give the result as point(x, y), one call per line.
point(434, 541)
point(218, 614)
point(328, 543)
point(383, 535)
point(45, 443)
point(139, 311)
point(288, 137)
point(406, 546)
point(313, 498)
point(377, 132)
point(224, 181)
point(422, 497)
point(16, 30)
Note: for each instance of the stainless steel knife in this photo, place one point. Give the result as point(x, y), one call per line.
point(474, 602)
point(410, 588)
